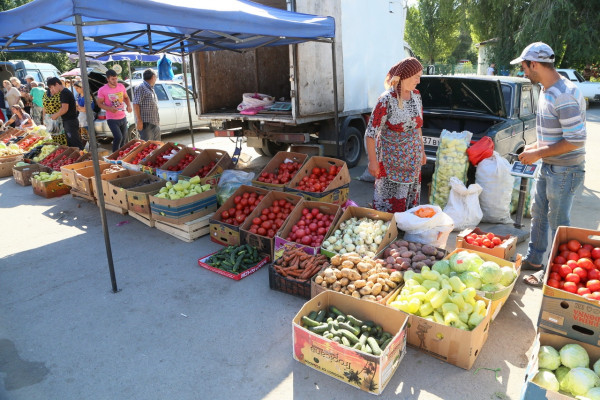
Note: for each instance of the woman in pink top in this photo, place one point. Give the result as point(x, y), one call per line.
point(113, 99)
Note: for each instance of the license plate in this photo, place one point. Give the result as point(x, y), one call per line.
point(431, 141)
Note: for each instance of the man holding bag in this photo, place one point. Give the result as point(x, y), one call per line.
point(561, 135)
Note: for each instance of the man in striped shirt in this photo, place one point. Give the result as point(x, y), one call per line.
point(145, 107)
point(561, 134)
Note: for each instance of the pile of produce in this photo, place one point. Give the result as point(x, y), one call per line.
point(357, 235)
point(347, 330)
point(475, 272)
point(243, 205)
point(576, 269)
point(359, 277)
point(162, 158)
point(271, 218)
point(488, 240)
point(319, 179)
point(46, 177)
point(234, 259)
point(440, 299)
point(310, 230)
point(41, 141)
point(21, 164)
point(29, 141)
point(183, 188)
point(44, 152)
point(296, 264)
point(57, 153)
point(203, 172)
point(9, 150)
point(184, 162)
point(451, 160)
point(123, 153)
point(403, 256)
point(113, 168)
point(284, 173)
point(144, 153)
point(66, 159)
point(568, 371)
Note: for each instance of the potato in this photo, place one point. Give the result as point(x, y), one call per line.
point(356, 295)
point(402, 243)
point(370, 284)
point(391, 284)
point(418, 265)
point(347, 264)
point(428, 262)
point(361, 283)
point(407, 254)
point(387, 252)
point(344, 281)
point(386, 288)
point(381, 281)
point(330, 279)
point(376, 289)
point(336, 260)
point(318, 279)
point(429, 250)
point(352, 257)
point(439, 255)
point(402, 249)
point(324, 284)
point(363, 266)
point(351, 288)
point(379, 297)
point(372, 278)
point(336, 286)
point(384, 275)
point(412, 247)
point(396, 277)
point(369, 297)
point(365, 290)
point(419, 257)
point(351, 274)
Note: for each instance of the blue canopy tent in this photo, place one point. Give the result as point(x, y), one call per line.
point(150, 27)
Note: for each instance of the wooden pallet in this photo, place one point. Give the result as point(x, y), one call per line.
point(143, 218)
point(115, 209)
point(189, 231)
point(82, 195)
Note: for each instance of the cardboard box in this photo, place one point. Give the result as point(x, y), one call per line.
point(22, 174)
point(105, 178)
point(50, 189)
point(138, 198)
point(506, 250)
point(114, 157)
point(273, 165)
point(68, 171)
point(117, 188)
point(84, 177)
point(360, 212)
point(281, 244)
point(127, 160)
point(264, 244)
point(183, 210)
point(164, 149)
point(337, 191)
point(220, 157)
point(235, 277)
point(55, 155)
point(499, 297)
point(453, 345)
point(229, 234)
point(344, 363)
point(566, 313)
point(7, 164)
point(532, 391)
point(164, 172)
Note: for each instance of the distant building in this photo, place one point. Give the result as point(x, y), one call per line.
point(483, 55)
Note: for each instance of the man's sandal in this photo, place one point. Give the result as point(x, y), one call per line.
point(535, 279)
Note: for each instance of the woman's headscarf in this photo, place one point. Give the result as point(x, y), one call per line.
point(404, 69)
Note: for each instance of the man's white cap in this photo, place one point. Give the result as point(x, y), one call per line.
point(538, 51)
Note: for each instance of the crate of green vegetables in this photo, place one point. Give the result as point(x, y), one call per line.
point(235, 262)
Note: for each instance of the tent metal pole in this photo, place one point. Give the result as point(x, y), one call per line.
point(187, 93)
point(129, 72)
point(94, 148)
point(335, 97)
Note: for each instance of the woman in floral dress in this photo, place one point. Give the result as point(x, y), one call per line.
point(394, 141)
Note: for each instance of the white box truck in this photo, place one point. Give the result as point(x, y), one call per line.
point(369, 40)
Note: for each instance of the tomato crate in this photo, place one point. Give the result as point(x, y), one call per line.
point(276, 161)
point(336, 191)
point(114, 157)
point(154, 157)
point(506, 250)
point(127, 161)
point(221, 161)
point(165, 172)
point(235, 277)
point(288, 285)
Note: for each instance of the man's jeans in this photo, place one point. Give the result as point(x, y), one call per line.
point(150, 132)
point(554, 192)
point(71, 127)
point(118, 127)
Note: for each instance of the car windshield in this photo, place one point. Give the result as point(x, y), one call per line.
point(177, 92)
point(579, 77)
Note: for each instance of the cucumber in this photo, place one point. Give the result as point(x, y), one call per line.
point(309, 322)
point(354, 330)
point(340, 318)
point(313, 316)
point(337, 339)
point(321, 316)
point(321, 328)
point(353, 339)
point(367, 349)
point(374, 346)
point(358, 346)
point(334, 310)
point(385, 344)
point(345, 341)
point(363, 339)
point(353, 320)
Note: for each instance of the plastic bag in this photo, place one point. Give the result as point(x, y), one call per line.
point(481, 150)
point(433, 231)
point(493, 175)
point(463, 205)
point(451, 160)
point(230, 181)
point(514, 202)
point(255, 102)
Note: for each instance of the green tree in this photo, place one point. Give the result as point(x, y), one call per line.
point(570, 27)
point(432, 28)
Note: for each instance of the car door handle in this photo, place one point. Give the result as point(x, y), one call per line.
point(177, 104)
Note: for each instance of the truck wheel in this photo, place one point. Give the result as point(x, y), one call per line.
point(132, 133)
point(270, 148)
point(352, 147)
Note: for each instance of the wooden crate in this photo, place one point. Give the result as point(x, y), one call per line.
point(188, 231)
point(143, 218)
point(115, 209)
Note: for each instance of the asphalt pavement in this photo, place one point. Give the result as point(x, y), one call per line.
point(177, 331)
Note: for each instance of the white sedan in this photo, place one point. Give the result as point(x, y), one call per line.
point(172, 107)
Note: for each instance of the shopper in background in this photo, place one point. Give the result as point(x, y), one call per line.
point(82, 117)
point(145, 105)
point(37, 105)
point(113, 98)
point(561, 135)
point(12, 96)
point(67, 112)
point(492, 69)
point(51, 105)
point(20, 118)
point(394, 141)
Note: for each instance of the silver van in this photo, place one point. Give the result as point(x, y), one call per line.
point(39, 71)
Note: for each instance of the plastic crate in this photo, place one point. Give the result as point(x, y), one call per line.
point(288, 285)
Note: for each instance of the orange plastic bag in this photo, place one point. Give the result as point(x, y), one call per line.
point(480, 150)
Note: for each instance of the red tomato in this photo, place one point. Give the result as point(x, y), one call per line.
point(572, 263)
point(306, 239)
point(573, 245)
point(555, 268)
point(593, 285)
point(554, 275)
point(496, 241)
point(570, 287)
point(573, 256)
point(559, 260)
point(585, 263)
point(262, 231)
point(597, 263)
point(240, 218)
point(562, 247)
point(595, 253)
point(593, 274)
point(564, 270)
point(581, 272)
point(572, 278)
point(256, 221)
point(595, 295)
point(225, 214)
point(266, 224)
point(584, 253)
point(316, 170)
point(237, 199)
point(583, 290)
